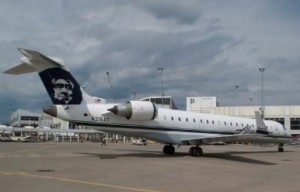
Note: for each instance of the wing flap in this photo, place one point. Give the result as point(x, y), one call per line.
point(236, 138)
point(221, 138)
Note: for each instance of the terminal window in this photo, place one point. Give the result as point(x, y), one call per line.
point(29, 118)
point(167, 101)
point(295, 123)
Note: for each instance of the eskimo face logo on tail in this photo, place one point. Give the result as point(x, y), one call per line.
point(61, 86)
point(63, 90)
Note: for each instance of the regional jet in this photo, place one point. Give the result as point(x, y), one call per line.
point(143, 118)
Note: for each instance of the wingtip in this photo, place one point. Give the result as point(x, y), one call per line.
point(25, 52)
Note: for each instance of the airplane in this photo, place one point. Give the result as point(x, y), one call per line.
point(143, 118)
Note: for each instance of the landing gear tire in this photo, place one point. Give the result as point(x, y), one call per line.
point(196, 151)
point(169, 149)
point(280, 147)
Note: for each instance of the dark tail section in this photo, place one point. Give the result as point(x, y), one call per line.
point(61, 86)
point(59, 83)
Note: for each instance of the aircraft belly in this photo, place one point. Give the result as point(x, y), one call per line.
point(169, 137)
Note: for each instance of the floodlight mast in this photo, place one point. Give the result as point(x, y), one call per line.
point(161, 69)
point(262, 92)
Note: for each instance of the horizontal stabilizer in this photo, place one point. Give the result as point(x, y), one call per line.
point(34, 61)
point(21, 69)
point(37, 57)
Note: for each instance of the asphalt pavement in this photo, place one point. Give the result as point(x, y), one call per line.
point(89, 167)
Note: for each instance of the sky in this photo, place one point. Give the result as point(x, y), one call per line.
point(205, 47)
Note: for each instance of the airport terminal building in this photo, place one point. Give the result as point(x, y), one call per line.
point(289, 116)
point(23, 118)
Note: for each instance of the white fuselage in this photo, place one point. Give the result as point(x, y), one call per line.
point(169, 126)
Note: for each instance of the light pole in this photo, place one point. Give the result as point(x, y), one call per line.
point(236, 94)
point(250, 99)
point(262, 91)
point(110, 85)
point(162, 86)
point(134, 95)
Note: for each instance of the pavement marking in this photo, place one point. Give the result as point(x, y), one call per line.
point(26, 150)
point(119, 187)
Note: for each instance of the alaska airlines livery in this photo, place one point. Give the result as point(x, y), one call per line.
point(143, 118)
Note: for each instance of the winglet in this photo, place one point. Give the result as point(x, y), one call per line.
point(25, 52)
point(261, 126)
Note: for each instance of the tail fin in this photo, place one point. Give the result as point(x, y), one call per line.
point(59, 83)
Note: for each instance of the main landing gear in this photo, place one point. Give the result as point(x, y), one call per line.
point(280, 147)
point(169, 149)
point(194, 151)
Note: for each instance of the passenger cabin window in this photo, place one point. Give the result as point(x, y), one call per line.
point(186, 119)
point(207, 121)
point(194, 120)
point(213, 122)
point(172, 118)
point(179, 119)
point(224, 123)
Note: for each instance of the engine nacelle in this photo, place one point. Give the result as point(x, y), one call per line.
point(136, 110)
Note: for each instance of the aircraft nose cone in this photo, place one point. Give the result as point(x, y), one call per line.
point(50, 110)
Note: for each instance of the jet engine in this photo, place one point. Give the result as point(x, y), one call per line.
point(136, 110)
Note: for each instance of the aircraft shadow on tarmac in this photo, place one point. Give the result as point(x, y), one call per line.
point(235, 156)
point(228, 156)
point(134, 153)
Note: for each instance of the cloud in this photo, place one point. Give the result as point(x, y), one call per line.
point(205, 47)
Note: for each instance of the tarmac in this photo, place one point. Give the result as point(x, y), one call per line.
point(119, 167)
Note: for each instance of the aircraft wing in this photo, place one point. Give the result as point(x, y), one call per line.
point(255, 138)
point(218, 138)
